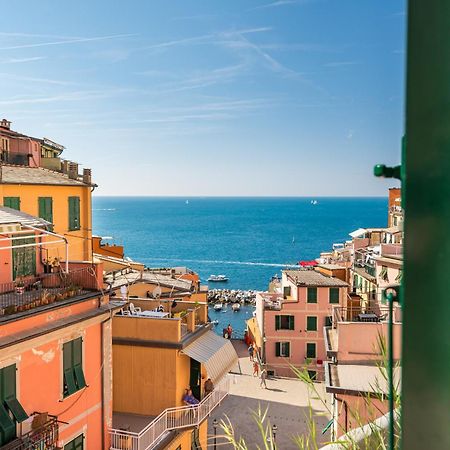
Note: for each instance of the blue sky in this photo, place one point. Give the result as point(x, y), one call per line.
point(206, 97)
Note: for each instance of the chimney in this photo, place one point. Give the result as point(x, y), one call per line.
point(87, 176)
point(65, 166)
point(73, 170)
point(5, 124)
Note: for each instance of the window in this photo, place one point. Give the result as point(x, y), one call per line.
point(286, 291)
point(73, 369)
point(310, 350)
point(384, 273)
point(312, 295)
point(76, 444)
point(311, 323)
point(195, 440)
point(283, 349)
point(46, 208)
point(312, 374)
point(334, 295)
point(12, 202)
point(23, 258)
point(11, 411)
point(399, 276)
point(284, 323)
point(328, 321)
point(74, 213)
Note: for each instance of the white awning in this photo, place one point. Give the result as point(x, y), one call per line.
point(216, 353)
point(357, 233)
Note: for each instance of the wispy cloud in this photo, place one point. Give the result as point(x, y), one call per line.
point(36, 80)
point(278, 4)
point(21, 60)
point(67, 41)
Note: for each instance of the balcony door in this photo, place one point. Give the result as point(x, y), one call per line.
point(195, 379)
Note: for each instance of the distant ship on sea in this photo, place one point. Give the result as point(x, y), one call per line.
point(314, 202)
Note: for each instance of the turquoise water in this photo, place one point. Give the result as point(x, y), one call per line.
point(228, 316)
point(247, 239)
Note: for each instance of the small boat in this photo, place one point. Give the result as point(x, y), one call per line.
point(218, 306)
point(236, 307)
point(187, 202)
point(215, 322)
point(313, 202)
point(217, 278)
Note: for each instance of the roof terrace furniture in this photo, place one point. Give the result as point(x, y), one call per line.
point(135, 309)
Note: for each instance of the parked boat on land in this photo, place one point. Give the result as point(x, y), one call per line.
point(217, 278)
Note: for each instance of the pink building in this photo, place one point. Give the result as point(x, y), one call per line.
point(354, 374)
point(293, 325)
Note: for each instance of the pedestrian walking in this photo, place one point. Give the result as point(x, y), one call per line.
point(263, 378)
point(250, 352)
point(255, 368)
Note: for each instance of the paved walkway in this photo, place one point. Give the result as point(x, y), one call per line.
point(286, 400)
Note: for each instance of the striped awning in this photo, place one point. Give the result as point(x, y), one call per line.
point(216, 353)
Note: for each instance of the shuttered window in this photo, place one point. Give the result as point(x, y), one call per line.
point(73, 367)
point(283, 349)
point(46, 208)
point(11, 411)
point(286, 291)
point(74, 213)
point(284, 322)
point(334, 295)
point(195, 440)
point(311, 323)
point(310, 350)
point(384, 273)
point(312, 295)
point(12, 202)
point(23, 258)
point(76, 444)
point(328, 321)
point(312, 374)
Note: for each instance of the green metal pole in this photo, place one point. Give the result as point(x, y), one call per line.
point(426, 324)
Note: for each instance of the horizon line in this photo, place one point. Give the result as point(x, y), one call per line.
point(242, 196)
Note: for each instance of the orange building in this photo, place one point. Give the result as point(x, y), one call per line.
point(55, 345)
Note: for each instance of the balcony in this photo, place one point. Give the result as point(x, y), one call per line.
point(156, 318)
point(44, 289)
point(376, 313)
point(169, 420)
point(42, 436)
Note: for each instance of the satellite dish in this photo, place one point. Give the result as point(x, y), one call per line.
point(156, 292)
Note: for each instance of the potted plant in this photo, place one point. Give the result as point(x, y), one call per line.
point(20, 286)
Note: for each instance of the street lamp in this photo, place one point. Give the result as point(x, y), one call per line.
point(215, 424)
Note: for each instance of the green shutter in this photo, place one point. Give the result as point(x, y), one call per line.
point(7, 426)
point(74, 213)
point(79, 376)
point(312, 295)
point(12, 202)
point(46, 208)
point(17, 409)
point(328, 321)
point(277, 348)
point(311, 323)
point(8, 382)
point(73, 367)
point(286, 349)
point(291, 323)
point(277, 322)
point(310, 350)
point(23, 258)
point(334, 295)
point(312, 376)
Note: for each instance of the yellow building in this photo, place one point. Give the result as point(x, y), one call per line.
point(64, 199)
point(157, 355)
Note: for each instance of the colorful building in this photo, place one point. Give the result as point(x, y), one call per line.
point(55, 344)
point(160, 349)
point(291, 324)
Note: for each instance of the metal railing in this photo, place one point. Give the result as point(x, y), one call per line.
point(32, 291)
point(374, 313)
point(170, 419)
point(43, 437)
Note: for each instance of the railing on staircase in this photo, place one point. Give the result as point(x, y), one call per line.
point(170, 419)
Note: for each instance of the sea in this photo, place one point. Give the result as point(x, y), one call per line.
point(247, 239)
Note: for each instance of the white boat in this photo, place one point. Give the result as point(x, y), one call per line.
point(236, 307)
point(215, 322)
point(217, 278)
point(218, 306)
point(314, 202)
